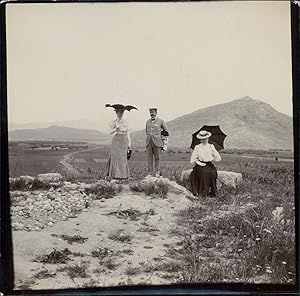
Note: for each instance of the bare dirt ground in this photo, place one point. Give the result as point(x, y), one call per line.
point(126, 242)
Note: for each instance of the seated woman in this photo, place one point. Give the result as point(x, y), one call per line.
point(203, 178)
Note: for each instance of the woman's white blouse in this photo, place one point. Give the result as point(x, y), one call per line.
point(122, 124)
point(205, 153)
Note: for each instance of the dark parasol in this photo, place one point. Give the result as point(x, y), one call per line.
point(217, 137)
point(121, 107)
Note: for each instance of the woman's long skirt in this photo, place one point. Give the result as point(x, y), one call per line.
point(203, 180)
point(117, 165)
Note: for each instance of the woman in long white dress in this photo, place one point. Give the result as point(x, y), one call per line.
point(117, 166)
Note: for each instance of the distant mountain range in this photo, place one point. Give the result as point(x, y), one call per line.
point(58, 133)
point(248, 123)
point(81, 124)
point(100, 124)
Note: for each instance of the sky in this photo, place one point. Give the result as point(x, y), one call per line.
point(65, 61)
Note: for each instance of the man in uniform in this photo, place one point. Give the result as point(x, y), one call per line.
point(154, 143)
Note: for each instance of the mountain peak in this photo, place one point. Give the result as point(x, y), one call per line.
point(248, 123)
point(248, 99)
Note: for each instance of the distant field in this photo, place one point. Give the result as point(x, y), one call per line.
point(29, 162)
point(25, 161)
point(172, 162)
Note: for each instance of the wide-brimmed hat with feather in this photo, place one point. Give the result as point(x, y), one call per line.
point(121, 107)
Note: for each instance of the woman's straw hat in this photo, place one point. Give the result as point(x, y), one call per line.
point(203, 135)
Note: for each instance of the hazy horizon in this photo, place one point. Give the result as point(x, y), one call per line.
point(65, 61)
point(128, 114)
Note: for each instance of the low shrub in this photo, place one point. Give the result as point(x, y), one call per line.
point(130, 270)
point(22, 184)
point(72, 238)
point(54, 257)
point(120, 236)
point(104, 189)
point(76, 270)
point(136, 186)
point(157, 189)
point(101, 253)
point(17, 184)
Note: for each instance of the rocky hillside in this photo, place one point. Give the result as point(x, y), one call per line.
point(248, 123)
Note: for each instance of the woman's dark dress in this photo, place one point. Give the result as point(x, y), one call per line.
point(203, 179)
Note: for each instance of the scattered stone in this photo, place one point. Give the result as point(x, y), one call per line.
point(43, 208)
point(50, 177)
point(17, 226)
point(50, 196)
point(83, 186)
point(278, 214)
point(71, 186)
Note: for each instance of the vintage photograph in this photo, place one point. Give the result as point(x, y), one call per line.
point(150, 143)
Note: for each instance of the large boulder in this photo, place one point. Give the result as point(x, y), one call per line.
point(185, 176)
point(230, 179)
point(50, 177)
point(173, 187)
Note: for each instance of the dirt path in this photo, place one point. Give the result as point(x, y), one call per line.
point(128, 238)
point(65, 162)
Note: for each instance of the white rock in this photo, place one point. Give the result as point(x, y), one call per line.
point(17, 226)
point(230, 179)
point(85, 186)
point(278, 214)
point(12, 180)
point(50, 196)
point(71, 186)
point(50, 177)
point(47, 207)
point(185, 176)
point(50, 224)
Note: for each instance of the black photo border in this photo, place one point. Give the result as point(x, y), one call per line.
point(7, 272)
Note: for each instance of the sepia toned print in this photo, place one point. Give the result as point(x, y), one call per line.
point(151, 144)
